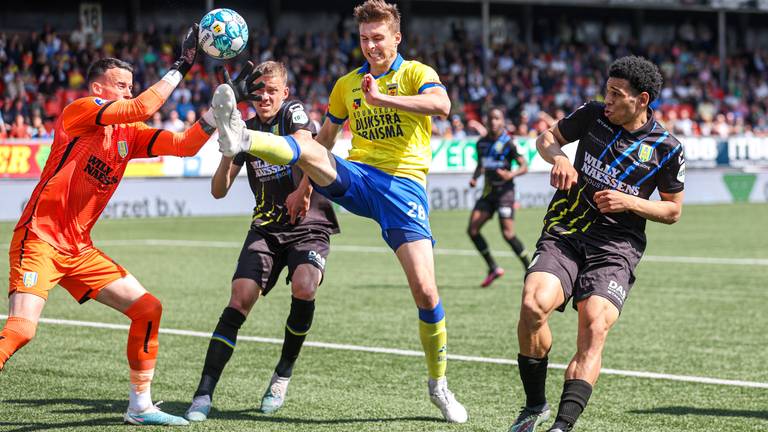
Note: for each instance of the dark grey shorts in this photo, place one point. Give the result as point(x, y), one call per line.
point(586, 269)
point(265, 254)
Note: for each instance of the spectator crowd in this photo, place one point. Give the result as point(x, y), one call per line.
point(537, 83)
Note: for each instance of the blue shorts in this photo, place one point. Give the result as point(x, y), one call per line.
point(398, 204)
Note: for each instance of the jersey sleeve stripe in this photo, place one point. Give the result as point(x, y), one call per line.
point(152, 142)
point(101, 112)
point(335, 119)
point(429, 85)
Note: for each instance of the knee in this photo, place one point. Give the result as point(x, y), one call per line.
point(23, 329)
point(147, 306)
point(304, 290)
point(509, 235)
point(426, 296)
point(472, 231)
point(533, 311)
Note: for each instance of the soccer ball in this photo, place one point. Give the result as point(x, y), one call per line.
point(223, 33)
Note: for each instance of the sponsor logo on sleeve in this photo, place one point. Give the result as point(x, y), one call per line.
point(99, 101)
point(300, 117)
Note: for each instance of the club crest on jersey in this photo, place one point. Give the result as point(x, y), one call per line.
point(498, 146)
point(30, 279)
point(122, 148)
point(392, 89)
point(355, 103)
point(646, 152)
point(99, 101)
point(276, 129)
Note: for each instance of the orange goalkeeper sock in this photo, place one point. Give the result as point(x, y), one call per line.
point(142, 335)
point(16, 333)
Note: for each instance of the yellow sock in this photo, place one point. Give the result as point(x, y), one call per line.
point(433, 340)
point(274, 149)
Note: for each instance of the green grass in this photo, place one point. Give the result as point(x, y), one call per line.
point(686, 319)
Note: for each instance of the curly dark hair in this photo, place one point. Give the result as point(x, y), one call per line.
point(100, 67)
point(643, 76)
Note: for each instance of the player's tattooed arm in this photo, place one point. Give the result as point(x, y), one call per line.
point(666, 211)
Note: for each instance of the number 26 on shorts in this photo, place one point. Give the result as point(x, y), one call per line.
point(416, 211)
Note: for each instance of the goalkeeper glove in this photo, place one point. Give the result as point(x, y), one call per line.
point(188, 51)
point(243, 85)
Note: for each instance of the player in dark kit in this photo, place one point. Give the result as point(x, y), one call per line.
point(495, 153)
point(291, 227)
point(594, 231)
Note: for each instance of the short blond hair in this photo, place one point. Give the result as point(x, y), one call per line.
point(378, 11)
point(273, 69)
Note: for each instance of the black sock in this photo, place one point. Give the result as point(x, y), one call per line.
point(482, 247)
point(575, 396)
point(519, 249)
point(296, 329)
point(220, 350)
point(533, 373)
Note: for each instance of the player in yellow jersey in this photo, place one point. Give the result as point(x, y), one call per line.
point(389, 102)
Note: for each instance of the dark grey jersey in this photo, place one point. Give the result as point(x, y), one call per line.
point(271, 184)
point(611, 157)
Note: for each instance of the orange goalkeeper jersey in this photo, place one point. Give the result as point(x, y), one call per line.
point(93, 141)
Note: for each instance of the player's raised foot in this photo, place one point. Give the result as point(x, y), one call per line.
point(200, 408)
point(274, 397)
point(229, 121)
point(153, 417)
point(492, 276)
point(452, 410)
point(530, 418)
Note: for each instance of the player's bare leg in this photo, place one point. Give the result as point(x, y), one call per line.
point(542, 293)
point(417, 262)
point(596, 316)
point(128, 296)
point(24, 312)
point(477, 219)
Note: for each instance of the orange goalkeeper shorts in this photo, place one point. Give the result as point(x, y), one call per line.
point(36, 267)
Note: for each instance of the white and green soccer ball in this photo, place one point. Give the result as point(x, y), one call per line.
point(223, 33)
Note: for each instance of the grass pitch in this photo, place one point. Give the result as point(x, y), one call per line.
point(702, 318)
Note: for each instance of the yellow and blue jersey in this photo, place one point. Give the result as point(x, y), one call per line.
point(392, 140)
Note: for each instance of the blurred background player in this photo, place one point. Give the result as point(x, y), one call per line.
point(495, 153)
point(94, 139)
point(389, 102)
point(594, 231)
point(291, 228)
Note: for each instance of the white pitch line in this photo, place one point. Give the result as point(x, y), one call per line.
point(438, 251)
point(411, 353)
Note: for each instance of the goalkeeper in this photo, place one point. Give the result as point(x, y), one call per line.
point(95, 138)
